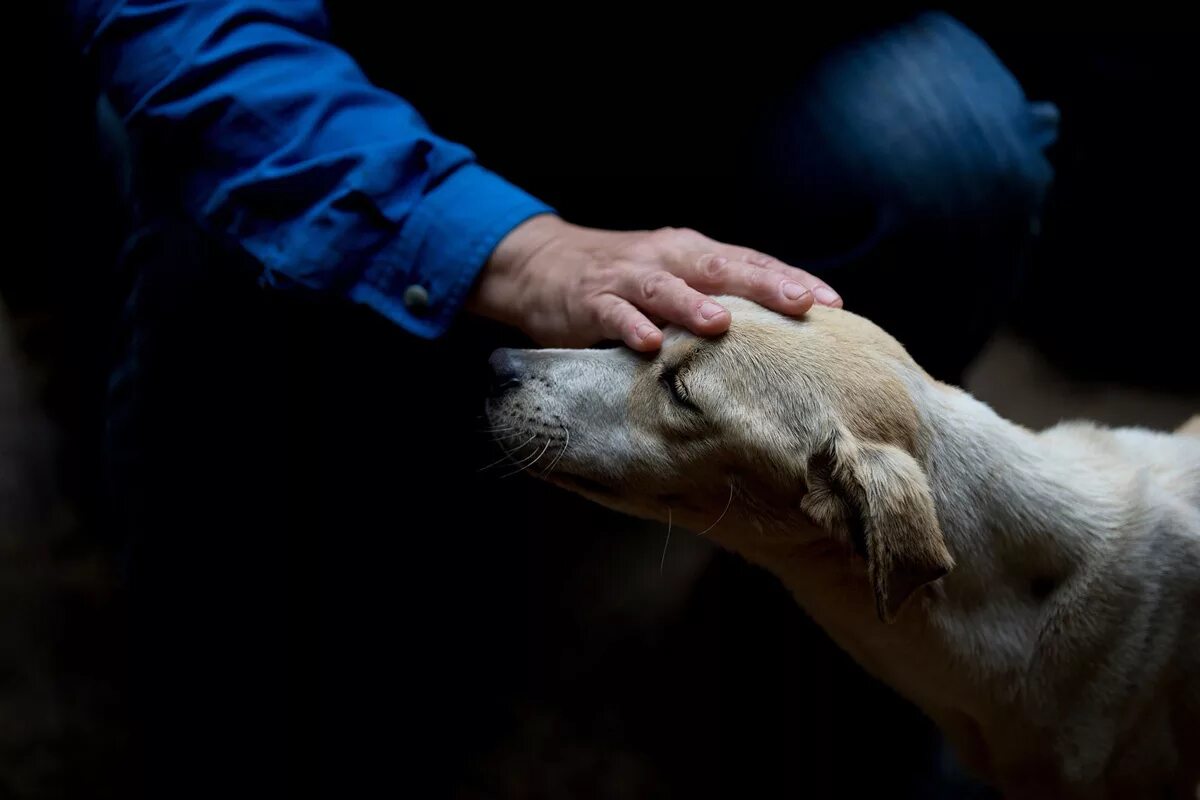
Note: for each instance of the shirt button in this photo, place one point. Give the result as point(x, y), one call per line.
point(416, 299)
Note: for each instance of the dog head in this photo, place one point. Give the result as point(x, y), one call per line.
point(785, 430)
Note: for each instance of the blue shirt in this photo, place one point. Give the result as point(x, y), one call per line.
point(283, 144)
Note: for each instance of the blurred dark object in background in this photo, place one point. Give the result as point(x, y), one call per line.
point(1113, 285)
point(604, 678)
point(1109, 287)
point(63, 677)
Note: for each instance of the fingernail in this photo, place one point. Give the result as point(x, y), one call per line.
point(710, 310)
point(793, 291)
point(825, 296)
point(644, 330)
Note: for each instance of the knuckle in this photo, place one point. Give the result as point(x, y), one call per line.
point(607, 314)
point(665, 236)
point(595, 281)
point(646, 249)
point(759, 259)
point(655, 284)
point(600, 274)
point(712, 267)
point(760, 280)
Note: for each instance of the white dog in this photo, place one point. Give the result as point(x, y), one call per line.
point(1036, 594)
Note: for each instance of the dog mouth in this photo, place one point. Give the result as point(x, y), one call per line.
point(538, 451)
point(516, 439)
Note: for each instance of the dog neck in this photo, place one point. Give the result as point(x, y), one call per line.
point(1013, 511)
point(1021, 514)
point(1037, 525)
point(1018, 520)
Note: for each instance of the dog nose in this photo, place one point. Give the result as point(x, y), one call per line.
point(506, 370)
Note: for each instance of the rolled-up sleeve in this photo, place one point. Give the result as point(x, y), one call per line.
point(277, 139)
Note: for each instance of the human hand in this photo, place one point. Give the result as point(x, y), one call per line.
point(569, 286)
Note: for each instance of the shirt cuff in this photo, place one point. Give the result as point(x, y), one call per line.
point(421, 279)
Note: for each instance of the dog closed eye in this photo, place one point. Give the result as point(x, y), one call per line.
point(673, 383)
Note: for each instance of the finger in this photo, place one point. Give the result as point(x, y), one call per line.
point(823, 294)
point(662, 294)
point(773, 288)
point(618, 319)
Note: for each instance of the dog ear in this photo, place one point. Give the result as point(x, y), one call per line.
point(878, 497)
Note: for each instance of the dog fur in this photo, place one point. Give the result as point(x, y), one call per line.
point(1036, 594)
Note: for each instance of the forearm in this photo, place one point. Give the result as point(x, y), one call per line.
point(276, 139)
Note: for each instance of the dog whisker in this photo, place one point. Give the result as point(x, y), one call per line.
point(728, 503)
point(508, 454)
point(526, 466)
point(566, 442)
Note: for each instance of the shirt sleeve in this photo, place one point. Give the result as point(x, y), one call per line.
point(281, 143)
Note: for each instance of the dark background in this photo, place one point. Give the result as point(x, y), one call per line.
point(495, 638)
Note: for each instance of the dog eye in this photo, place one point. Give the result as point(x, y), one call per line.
point(678, 390)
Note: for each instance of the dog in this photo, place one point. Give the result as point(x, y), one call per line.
point(1037, 595)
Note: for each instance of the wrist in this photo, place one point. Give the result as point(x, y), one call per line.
point(523, 242)
point(500, 288)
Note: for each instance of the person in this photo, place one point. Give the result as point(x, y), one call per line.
point(260, 442)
